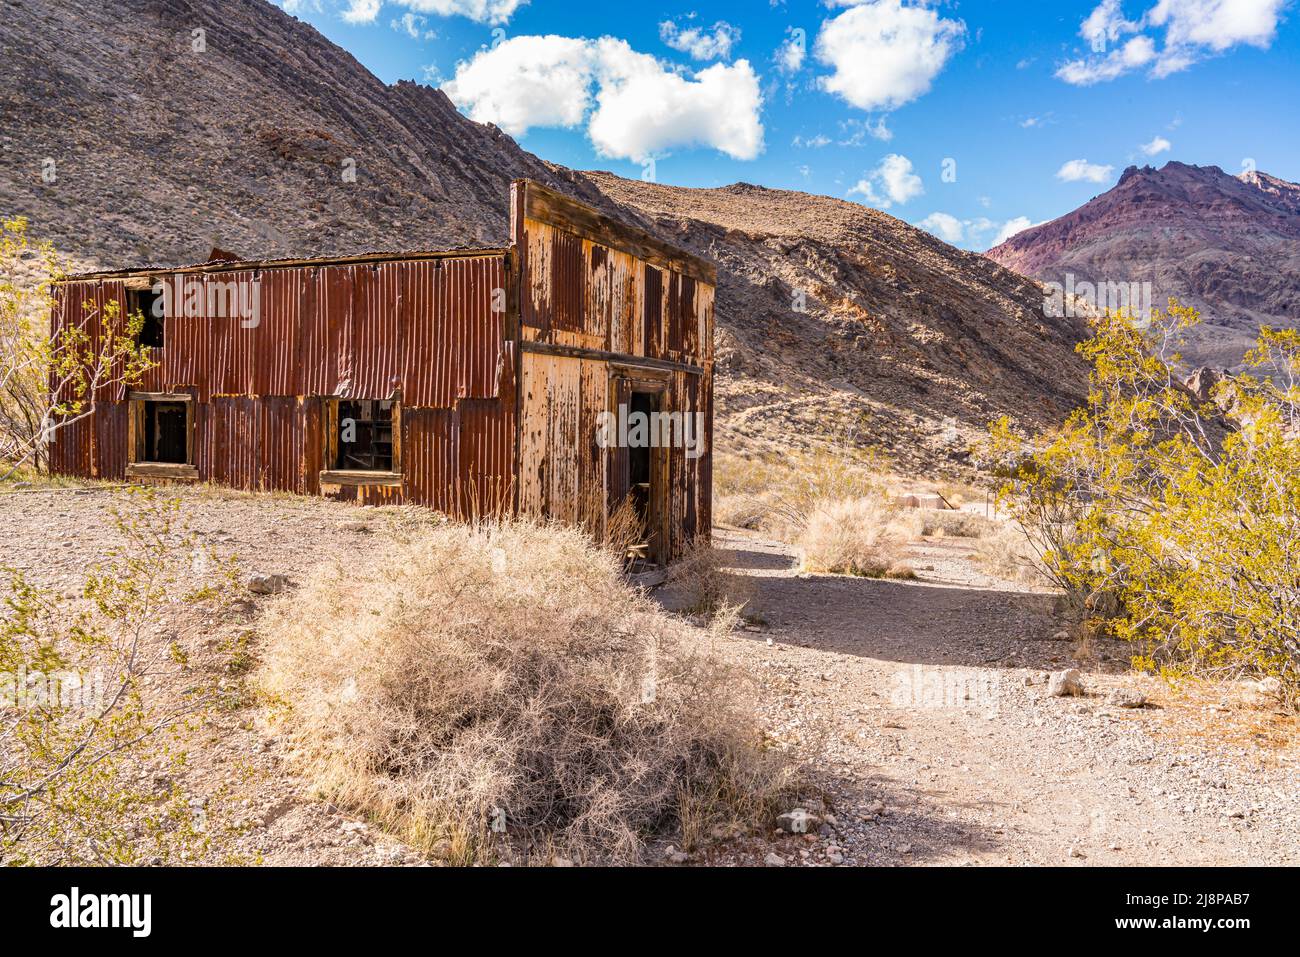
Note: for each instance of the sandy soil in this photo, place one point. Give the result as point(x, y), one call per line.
point(921, 707)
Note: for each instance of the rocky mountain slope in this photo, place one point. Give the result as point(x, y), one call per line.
point(129, 138)
point(1229, 245)
point(837, 319)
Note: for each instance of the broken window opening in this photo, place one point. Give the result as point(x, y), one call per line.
point(145, 302)
point(365, 435)
point(165, 433)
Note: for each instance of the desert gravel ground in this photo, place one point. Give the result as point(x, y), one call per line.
point(924, 706)
point(920, 706)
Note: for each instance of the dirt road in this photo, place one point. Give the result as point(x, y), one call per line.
point(925, 704)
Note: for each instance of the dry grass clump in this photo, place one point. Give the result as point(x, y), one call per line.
point(1007, 554)
point(499, 686)
point(857, 536)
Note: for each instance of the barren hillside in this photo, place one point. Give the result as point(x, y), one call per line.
point(130, 139)
point(838, 316)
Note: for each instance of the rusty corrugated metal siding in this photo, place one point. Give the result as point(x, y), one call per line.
point(503, 361)
point(431, 329)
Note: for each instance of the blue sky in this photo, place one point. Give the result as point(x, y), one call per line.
point(971, 119)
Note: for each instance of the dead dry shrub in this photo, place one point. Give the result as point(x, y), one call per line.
point(498, 686)
point(855, 536)
point(708, 587)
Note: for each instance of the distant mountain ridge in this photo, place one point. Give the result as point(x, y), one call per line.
point(1228, 245)
point(833, 319)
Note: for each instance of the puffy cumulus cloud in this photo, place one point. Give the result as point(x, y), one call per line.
point(1217, 24)
point(633, 106)
point(1158, 145)
point(1193, 29)
point(362, 11)
point(948, 228)
point(643, 108)
point(1080, 170)
point(1012, 226)
point(892, 181)
point(480, 11)
point(525, 82)
point(706, 44)
point(885, 54)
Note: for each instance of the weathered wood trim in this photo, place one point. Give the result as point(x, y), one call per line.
point(160, 396)
point(548, 206)
point(376, 479)
point(162, 470)
point(614, 358)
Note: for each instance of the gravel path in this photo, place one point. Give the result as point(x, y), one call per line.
point(925, 706)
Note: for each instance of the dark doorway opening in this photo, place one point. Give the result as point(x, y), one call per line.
point(365, 439)
point(640, 457)
point(165, 433)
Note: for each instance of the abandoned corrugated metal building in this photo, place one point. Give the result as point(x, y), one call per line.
point(466, 381)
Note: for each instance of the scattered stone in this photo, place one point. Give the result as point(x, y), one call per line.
point(267, 584)
point(1062, 636)
point(1075, 852)
point(774, 860)
point(674, 856)
point(355, 526)
point(798, 820)
point(1126, 698)
point(1063, 683)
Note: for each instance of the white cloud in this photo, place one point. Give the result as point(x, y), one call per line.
point(480, 11)
point(1081, 170)
point(1106, 24)
point(525, 82)
point(1217, 24)
point(811, 142)
point(892, 181)
point(643, 108)
point(1157, 145)
point(885, 54)
point(948, 228)
point(413, 25)
point(362, 11)
point(1012, 226)
point(701, 44)
point(1136, 52)
point(856, 131)
point(1193, 29)
point(973, 232)
point(633, 106)
point(790, 55)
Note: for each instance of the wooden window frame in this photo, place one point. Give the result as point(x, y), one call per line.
point(359, 477)
point(139, 467)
